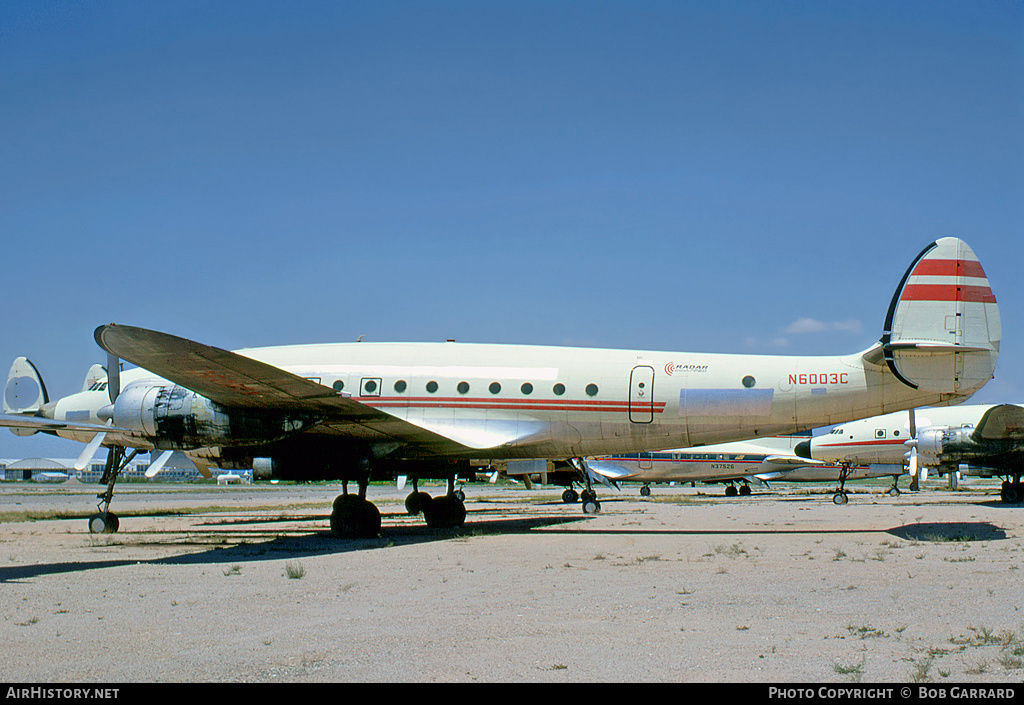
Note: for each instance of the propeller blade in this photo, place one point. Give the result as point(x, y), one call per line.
point(913, 462)
point(400, 482)
point(913, 424)
point(113, 376)
point(159, 463)
point(89, 451)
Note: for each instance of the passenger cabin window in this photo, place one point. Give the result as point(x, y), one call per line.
point(558, 389)
point(463, 387)
point(431, 386)
point(494, 388)
point(527, 388)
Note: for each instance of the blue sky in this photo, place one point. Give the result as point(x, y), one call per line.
point(749, 177)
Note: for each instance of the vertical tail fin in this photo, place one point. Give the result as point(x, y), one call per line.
point(96, 375)
point(942, 329)
point(25, 391)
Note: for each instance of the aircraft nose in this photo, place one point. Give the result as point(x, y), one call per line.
point(803, 449)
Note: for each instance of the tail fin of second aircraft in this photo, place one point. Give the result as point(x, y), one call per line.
point(942, 329)
point(96, 375)
point(25, 391)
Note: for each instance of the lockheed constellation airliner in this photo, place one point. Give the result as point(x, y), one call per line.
point(356, 411)
point(988, 437)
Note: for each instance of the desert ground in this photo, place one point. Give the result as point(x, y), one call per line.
point(246, 584)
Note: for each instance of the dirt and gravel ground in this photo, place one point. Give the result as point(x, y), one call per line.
point(246, 584)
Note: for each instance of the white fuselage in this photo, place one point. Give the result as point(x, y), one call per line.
point(712, 463)
point(553, 402)
point(883, 439)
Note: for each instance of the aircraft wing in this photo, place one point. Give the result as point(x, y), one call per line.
point(791, 461)
point(610, 469)
point(1002, 422)
point(220, 375)
point(38, 423)
point(234, 380)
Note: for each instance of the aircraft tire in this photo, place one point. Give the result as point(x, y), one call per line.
point(570, 496)
point(840, 498)
point(445, 512)
point(104, 523)
point(355, 518)
point(415, 501)
point(1010, 493)
point(645, 491)
point(591, 506)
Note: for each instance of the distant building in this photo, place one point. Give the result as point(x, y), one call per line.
point(179, 468)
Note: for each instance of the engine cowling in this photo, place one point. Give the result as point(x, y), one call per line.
point(175, 418)
point(943, 445)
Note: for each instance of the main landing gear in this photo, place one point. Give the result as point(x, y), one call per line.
point(743, 490)
point(589, 496)
point(840, 497)
point(445, 512)
point(590, 503)
point(1011, 492)
point(355, 517)
point(105, 521)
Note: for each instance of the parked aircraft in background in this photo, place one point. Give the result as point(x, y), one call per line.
point(734, 464)
point(356, 411)
point(988, 437)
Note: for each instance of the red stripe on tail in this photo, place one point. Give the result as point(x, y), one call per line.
point(949, 268)
point(947, 292)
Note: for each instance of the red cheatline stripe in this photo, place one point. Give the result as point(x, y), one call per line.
point(949, 268)
point(486, 400)
point(947, 292)
point(874, 442)
point(527, 405)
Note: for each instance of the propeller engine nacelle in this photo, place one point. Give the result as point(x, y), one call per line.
point(944, 445)
point(175, 418)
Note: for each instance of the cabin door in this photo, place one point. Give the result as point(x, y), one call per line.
point(641, 394)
